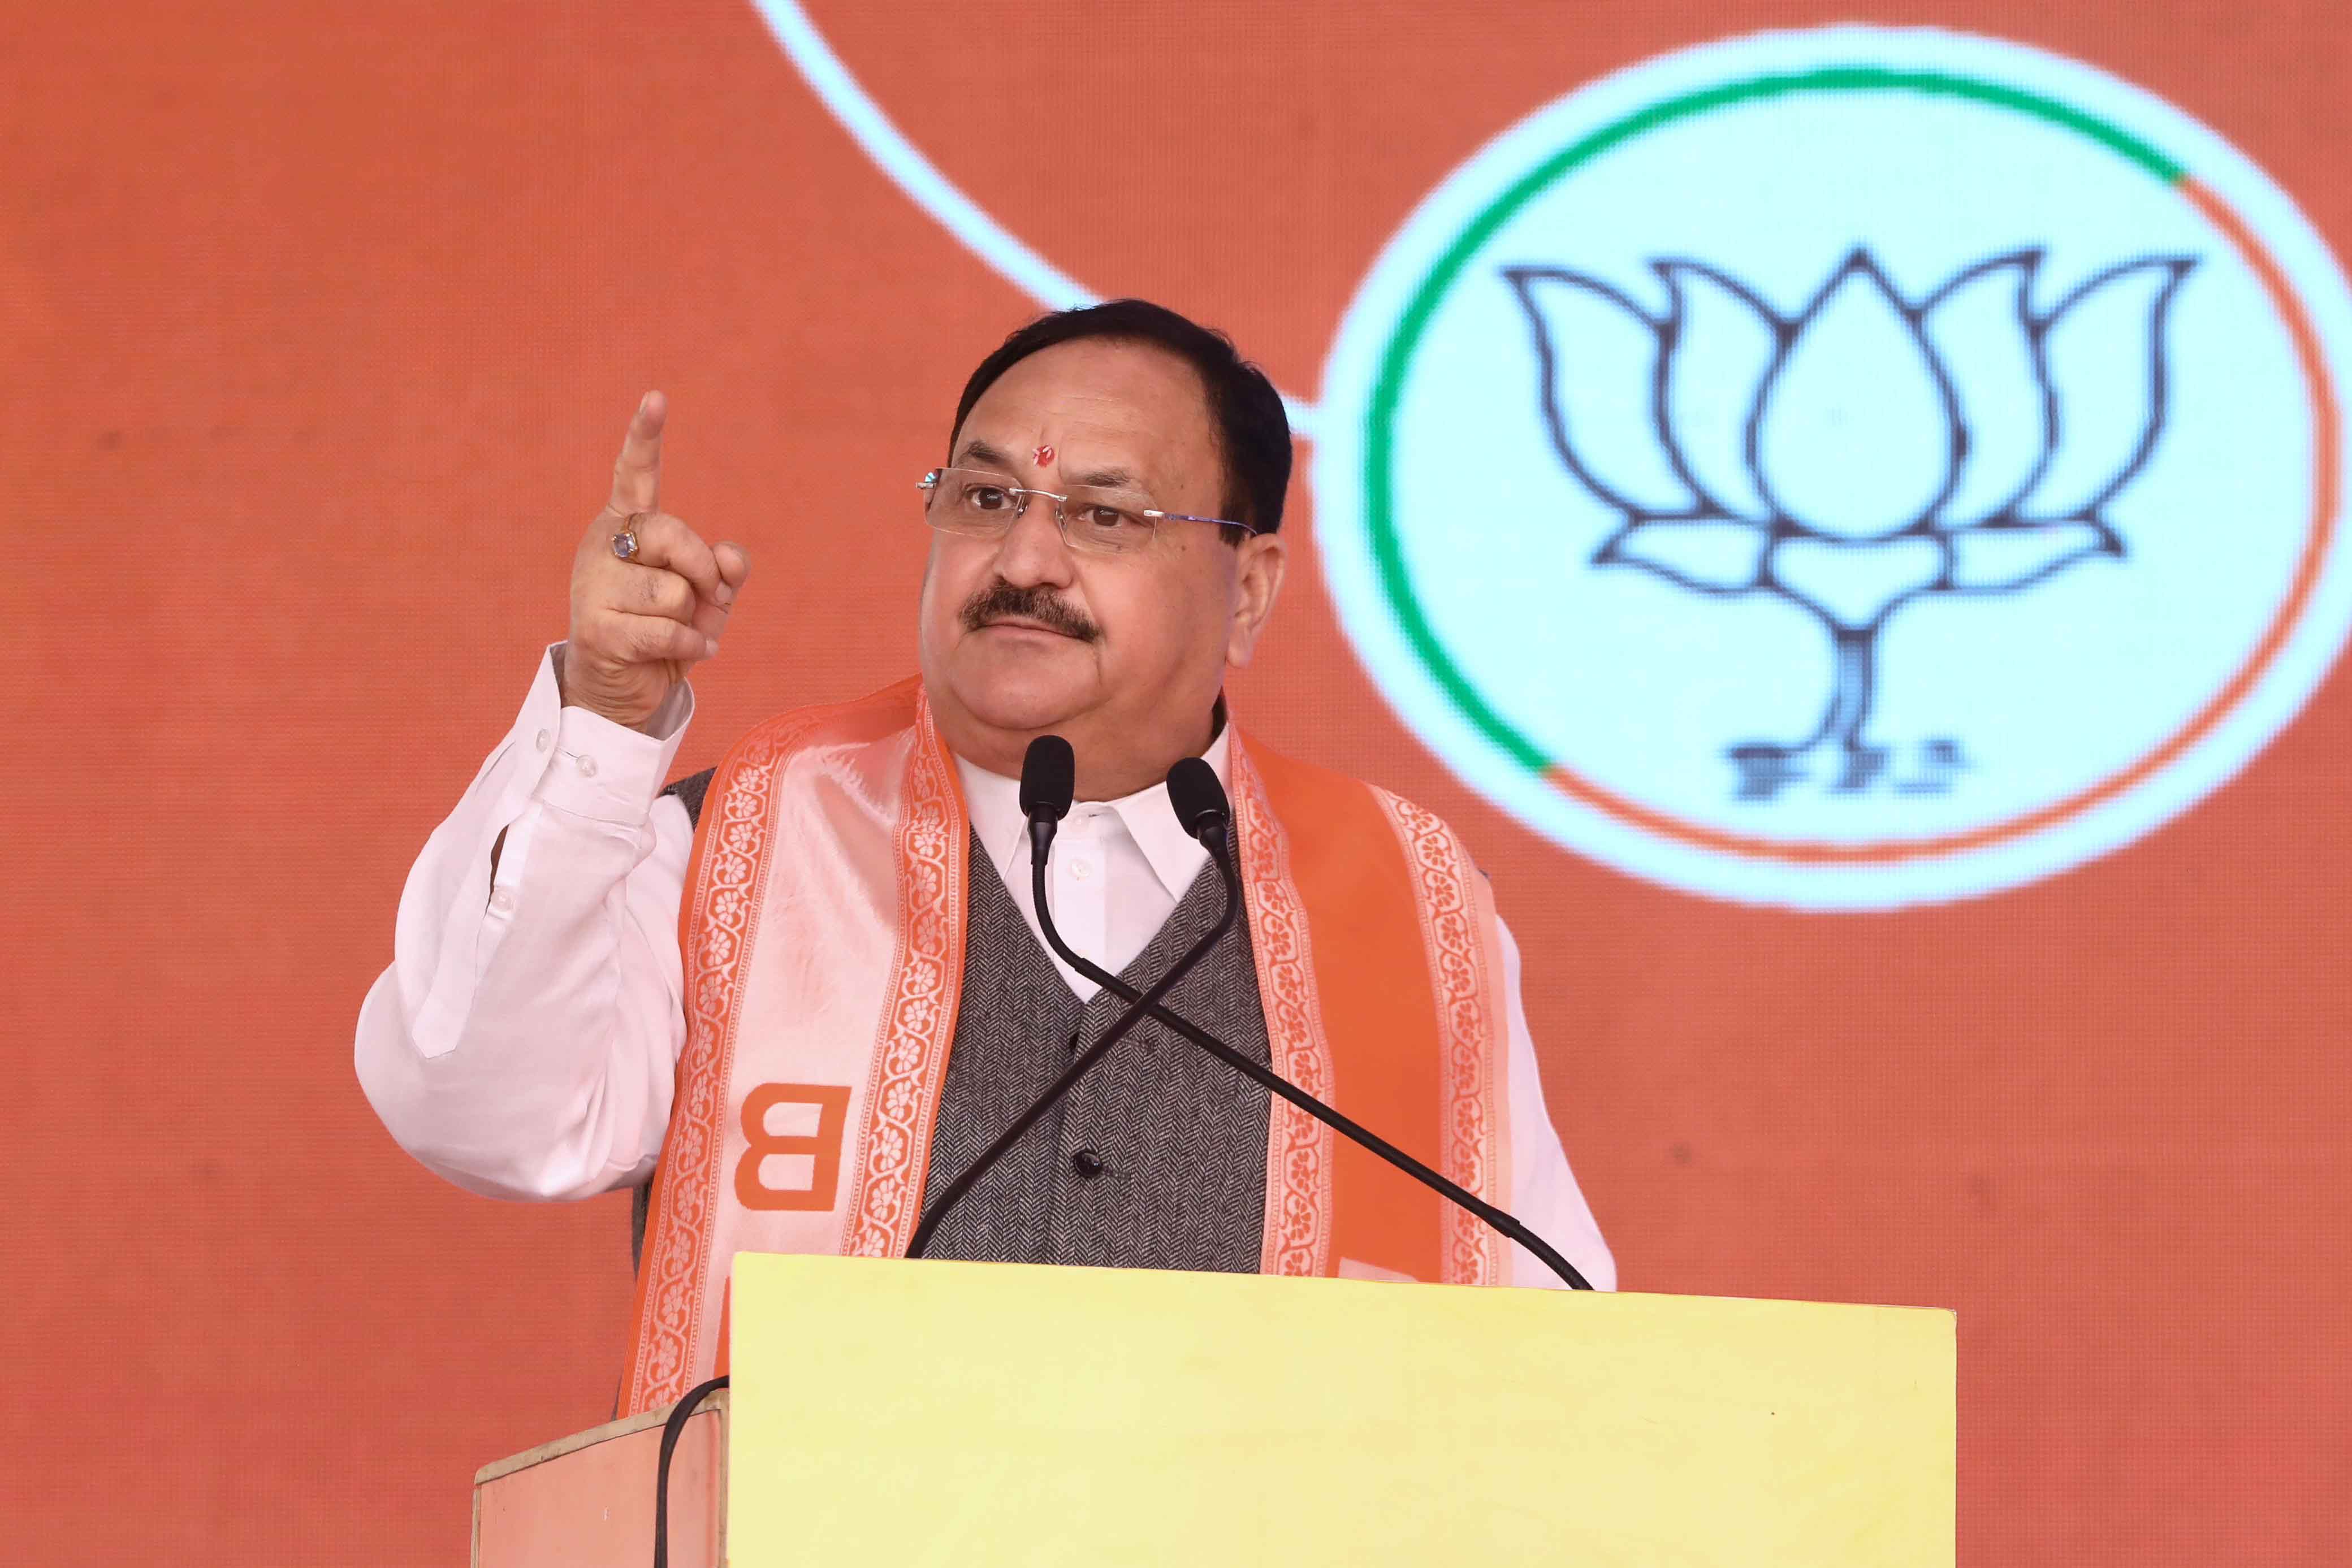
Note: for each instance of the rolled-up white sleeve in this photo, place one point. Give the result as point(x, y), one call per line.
point(1544, 1193)
point(524, 1042)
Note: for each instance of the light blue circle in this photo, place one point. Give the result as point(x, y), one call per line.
point(1591, 669)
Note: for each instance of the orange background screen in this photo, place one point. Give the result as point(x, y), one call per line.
point(321, 325)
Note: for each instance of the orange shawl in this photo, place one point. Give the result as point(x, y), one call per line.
point(823, 930)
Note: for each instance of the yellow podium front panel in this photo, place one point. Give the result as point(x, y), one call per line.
point(976, 1414)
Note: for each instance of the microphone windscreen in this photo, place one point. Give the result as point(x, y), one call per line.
point(1049, 777)
point(1197, 798)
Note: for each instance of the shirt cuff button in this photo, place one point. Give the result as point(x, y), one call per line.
point(587, 767)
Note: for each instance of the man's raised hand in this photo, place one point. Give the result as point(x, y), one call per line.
point(639, 625)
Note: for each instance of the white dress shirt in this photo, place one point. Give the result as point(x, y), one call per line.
point(1117, 870)
point(524, 1043)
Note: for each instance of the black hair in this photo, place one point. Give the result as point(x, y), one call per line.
point(1253, 432)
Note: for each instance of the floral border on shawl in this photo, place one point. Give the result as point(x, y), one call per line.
point(729, 889)
point(918, 1027)
point(1468, 1031)
point(1299, 1147)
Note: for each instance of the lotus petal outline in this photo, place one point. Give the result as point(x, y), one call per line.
point(1860, 452)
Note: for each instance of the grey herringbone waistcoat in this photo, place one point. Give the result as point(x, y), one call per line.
point(1157, 1159)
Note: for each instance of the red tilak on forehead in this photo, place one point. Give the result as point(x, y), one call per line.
point(1044, 457)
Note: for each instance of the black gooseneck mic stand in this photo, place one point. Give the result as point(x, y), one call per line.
point(673, 1429)
point(1045, 810)
point(1201, 806)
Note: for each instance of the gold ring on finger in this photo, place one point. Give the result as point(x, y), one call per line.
point(625, 543)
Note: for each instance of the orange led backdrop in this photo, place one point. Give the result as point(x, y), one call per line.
point(1843, 509)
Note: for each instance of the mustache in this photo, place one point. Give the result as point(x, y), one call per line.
point(1002, 600)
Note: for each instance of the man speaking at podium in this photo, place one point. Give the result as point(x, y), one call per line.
point(803, 992)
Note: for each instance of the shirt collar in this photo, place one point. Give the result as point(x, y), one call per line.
point(1175, 855)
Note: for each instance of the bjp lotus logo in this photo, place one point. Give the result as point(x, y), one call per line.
point(1861, 451)
point(1931, 482)
point(1843, 470)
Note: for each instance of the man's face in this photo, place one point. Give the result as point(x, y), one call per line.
point(1123, 655)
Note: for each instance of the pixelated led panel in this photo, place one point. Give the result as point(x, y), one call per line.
point(983, 1414)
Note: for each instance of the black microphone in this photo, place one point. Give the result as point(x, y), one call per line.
point(1048, 780)
point(1201, 806)
point(1198, 799)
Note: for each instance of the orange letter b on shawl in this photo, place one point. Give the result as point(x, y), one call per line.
point(823, 1146)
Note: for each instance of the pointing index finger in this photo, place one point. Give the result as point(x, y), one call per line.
point(636, 473)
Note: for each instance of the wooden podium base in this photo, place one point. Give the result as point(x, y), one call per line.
point(587, 1501)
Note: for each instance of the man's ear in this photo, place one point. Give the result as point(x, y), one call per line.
point(1258, 581)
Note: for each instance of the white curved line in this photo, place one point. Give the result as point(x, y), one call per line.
point(915, 174)
point(921, 179)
